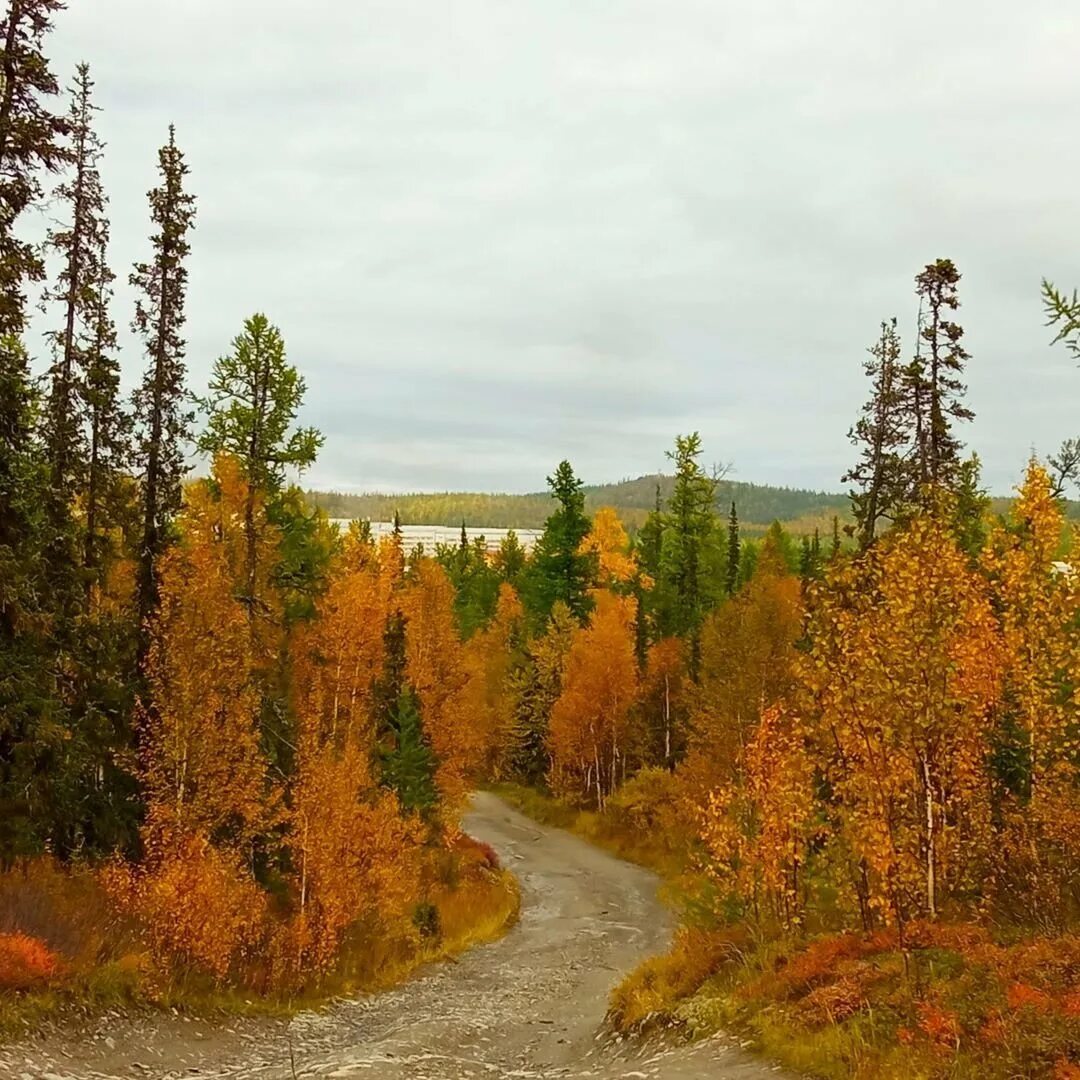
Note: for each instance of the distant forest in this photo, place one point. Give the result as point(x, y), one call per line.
point(758, 505)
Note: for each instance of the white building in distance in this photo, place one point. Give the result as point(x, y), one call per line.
point(432, 535)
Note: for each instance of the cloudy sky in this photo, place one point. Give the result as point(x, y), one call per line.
point(499, 233)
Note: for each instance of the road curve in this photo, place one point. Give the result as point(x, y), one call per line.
point(529, 1006)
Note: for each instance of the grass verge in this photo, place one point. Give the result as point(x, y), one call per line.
point(83, 960)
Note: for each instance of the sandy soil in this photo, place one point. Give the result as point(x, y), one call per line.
point(530, 1005)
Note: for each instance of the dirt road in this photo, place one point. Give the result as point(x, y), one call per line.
point(527, 1006)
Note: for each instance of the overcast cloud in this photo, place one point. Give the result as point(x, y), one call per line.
point(499, 233)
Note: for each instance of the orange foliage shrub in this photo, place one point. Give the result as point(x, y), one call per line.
point(197, 904)
point(26, 962)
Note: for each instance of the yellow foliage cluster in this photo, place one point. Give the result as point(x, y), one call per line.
point(269, 833)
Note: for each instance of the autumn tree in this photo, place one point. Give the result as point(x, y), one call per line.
point(437, 672)
point(757, 829)
point(881, 433)
point(903, 674)
point(160, 400)
point(590, 731)
point(664, 694)
point(1035, 742)
point(559, 569)
point(251, 408)
point(748, 664)
point(204, 769)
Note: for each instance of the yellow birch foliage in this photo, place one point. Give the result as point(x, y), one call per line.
point(490, 657)
point(205, 779)
point(748, 664)
point(904, 674)
point(443, 680)
point(664, 690)
point(755, 832)
point(607, 539)
point(203, 769)
point(338, 656)
point(355, 857)
point(590, 726)
point(1038, 603)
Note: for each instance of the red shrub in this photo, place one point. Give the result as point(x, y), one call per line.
point(1022, 996)
point(25, 962)
point(939, 1025)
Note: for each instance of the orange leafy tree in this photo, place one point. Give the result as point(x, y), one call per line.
point(590, 732)
point(209, 795)
point(445, 683)
point(756, 830)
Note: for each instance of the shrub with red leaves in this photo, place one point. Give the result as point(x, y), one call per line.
point(25, 962)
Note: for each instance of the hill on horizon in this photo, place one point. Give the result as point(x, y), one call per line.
point(758, 505)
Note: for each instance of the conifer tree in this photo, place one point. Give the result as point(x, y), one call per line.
point(79, 242)
point(160, 403)
point(30, 143)
point(1063, 312)
point(560, 570)
point(251, 407)
point(692, 520)
point(881, 433)
point(510, 559)
point(733, 553)
point(109, 449)
point(932, 384)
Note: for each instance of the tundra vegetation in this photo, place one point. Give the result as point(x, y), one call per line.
point(235, 742)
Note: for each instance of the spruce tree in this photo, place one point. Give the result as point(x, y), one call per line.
point(30, 144)
point(559, 570)
point(881, 433)
point(691, 519)
point(79, 243)
point(160, 401)
point(510, 559)
point(109, 447)
point(733, 553)
point(933, 389)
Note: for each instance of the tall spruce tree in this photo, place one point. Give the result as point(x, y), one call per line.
point(79, 243)
point(109, 436)
point(733, 553)
point(30, 145)
point(932, 383)
point(692, 526)
point(160, 402)
point(880, 483)
point(559, 570)
point(32, 718)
